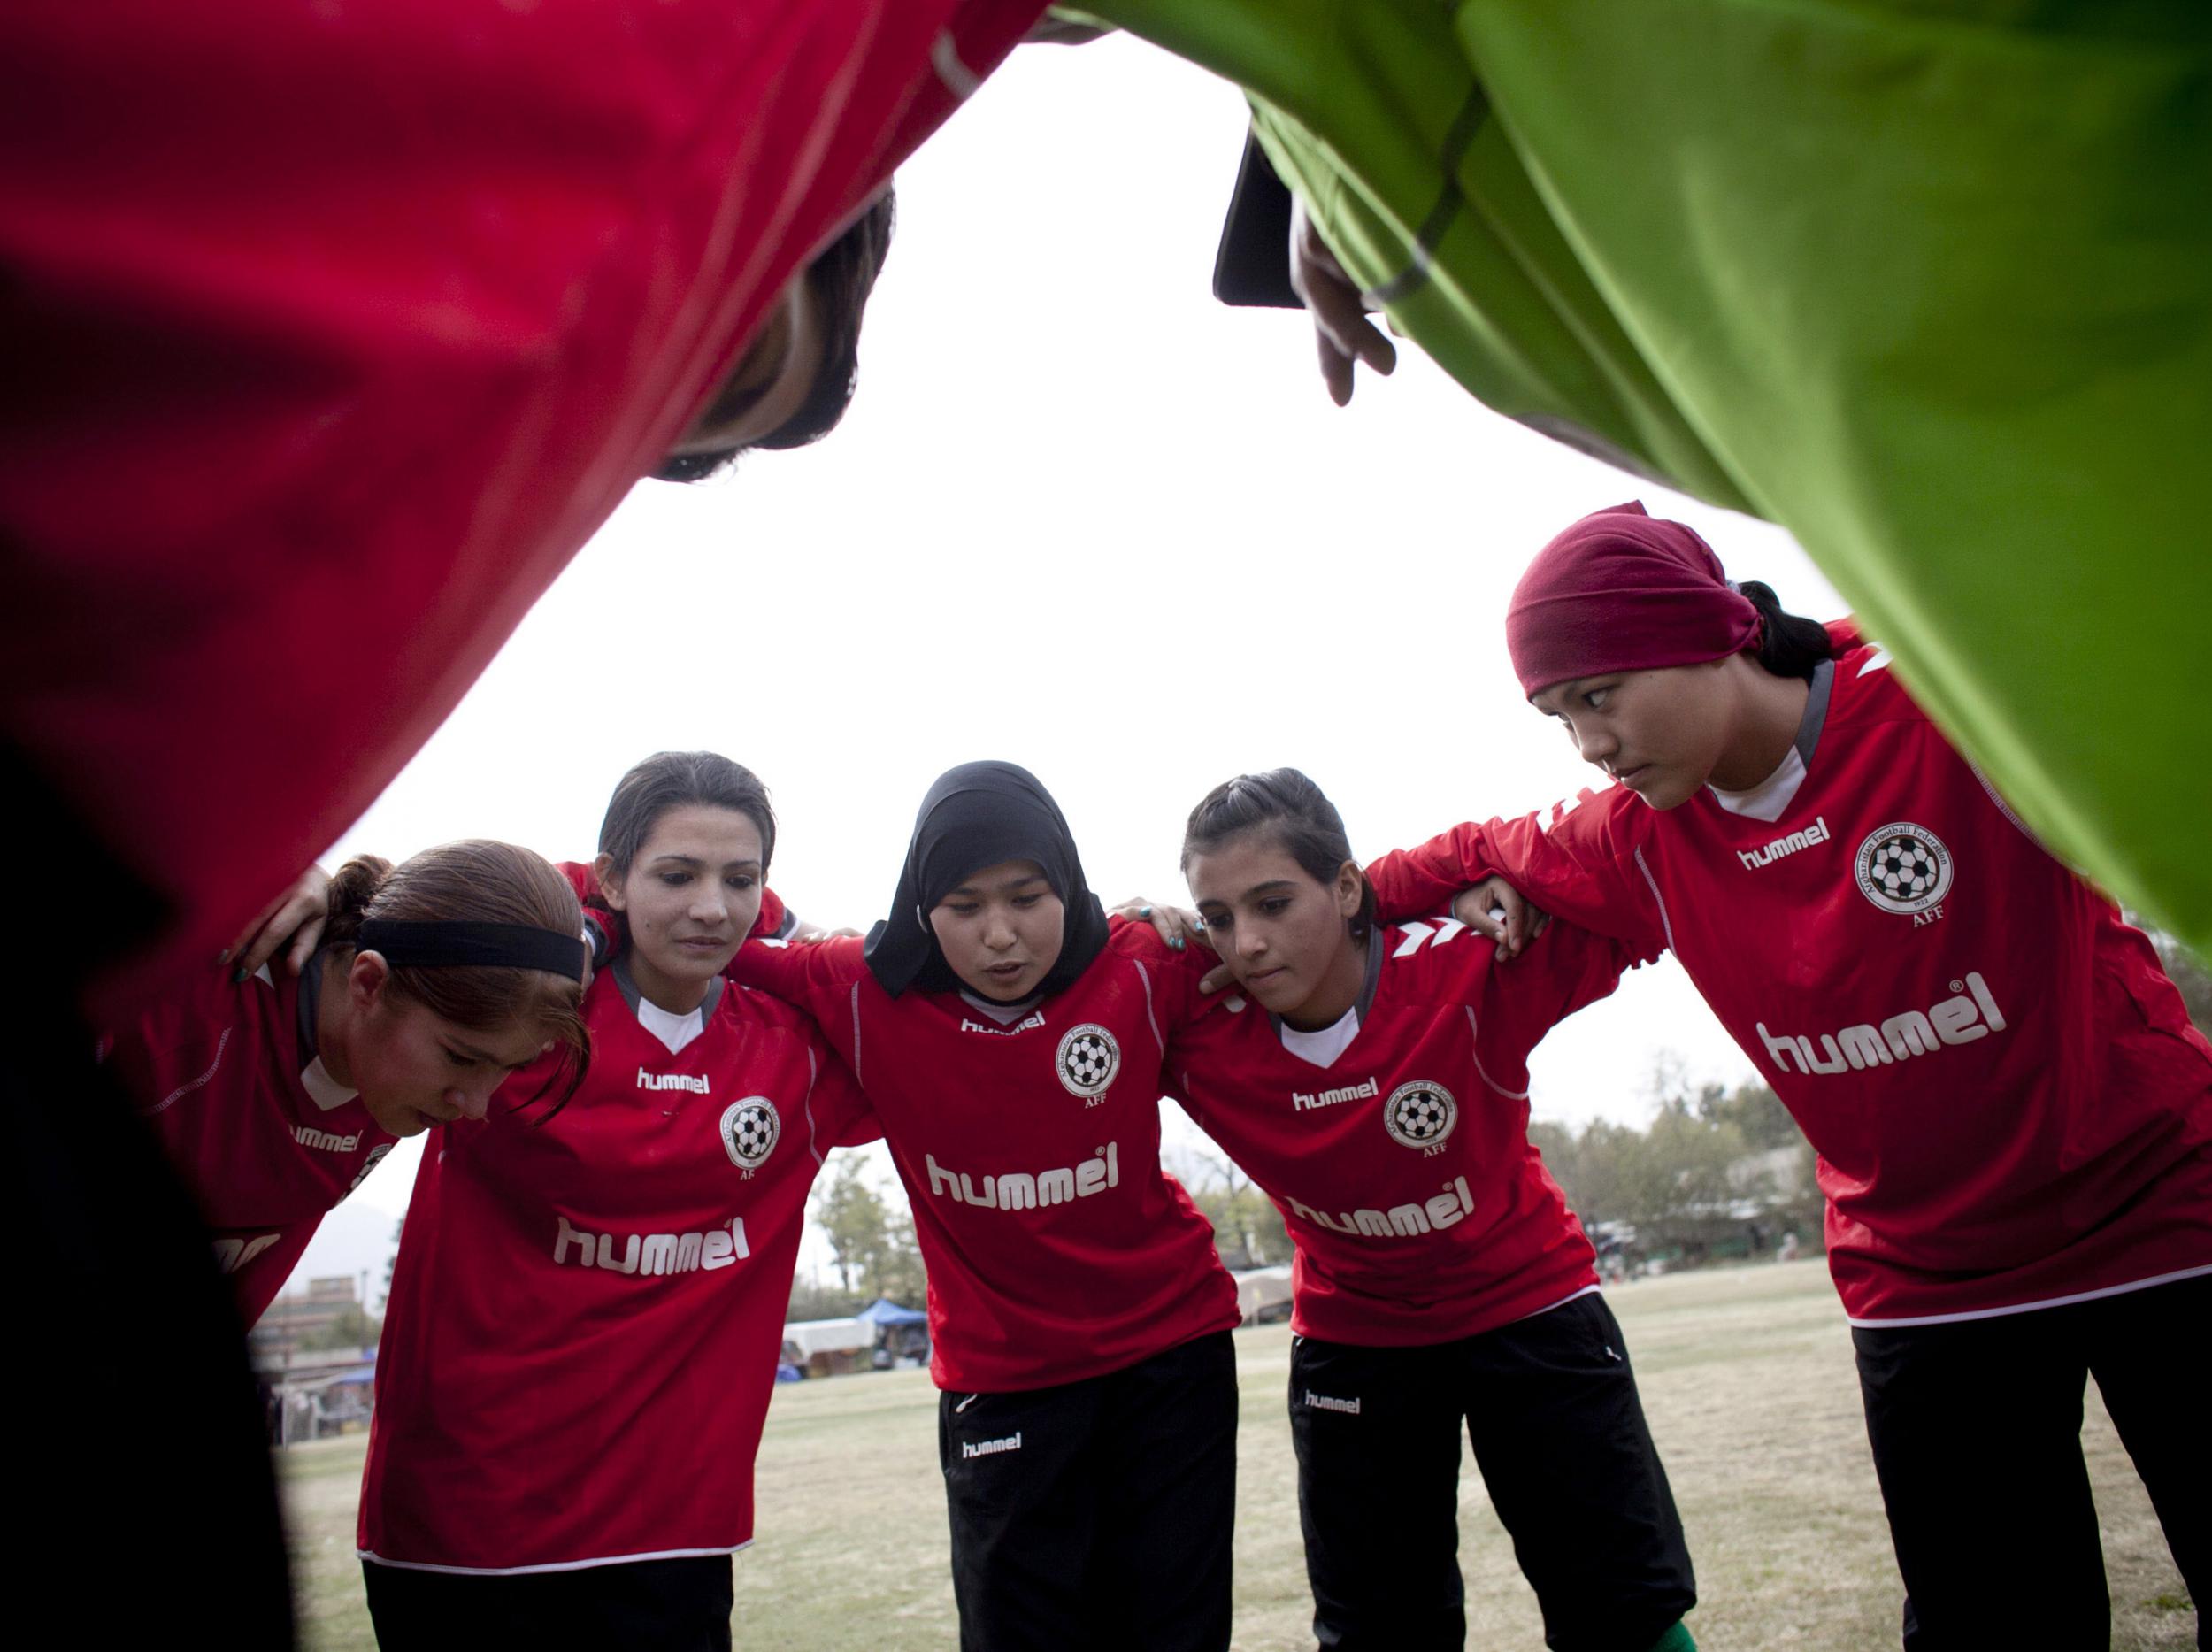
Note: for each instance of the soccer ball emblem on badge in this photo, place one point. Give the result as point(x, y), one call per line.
point(1903, 868)
point(750, 1129)
point(1087, 1059)
point(1420, 1114)
point(376, 1156)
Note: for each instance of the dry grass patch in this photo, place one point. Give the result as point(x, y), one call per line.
point(1745, 1373)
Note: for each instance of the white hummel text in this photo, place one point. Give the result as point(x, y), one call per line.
point(1816, 832)
point(1330, 1403)
point(1454, 1205)
point(1016, 1190)
point(328, 1141)
point(656, 1254)
point(1972, 1014)
point(991, 1447)
point(695, 1083)
point(1302, 1102)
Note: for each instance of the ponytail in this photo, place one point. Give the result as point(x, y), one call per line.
point(476, 881)
point(1789, 645)
point(351, 892)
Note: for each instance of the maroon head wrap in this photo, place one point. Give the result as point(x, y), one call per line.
point(1622, 590)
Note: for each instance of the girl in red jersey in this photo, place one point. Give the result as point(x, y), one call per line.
point(1010, 1039)
point(276, 1093)
point(566, 1419)
point(2012, 1113)
point(1440, 1280)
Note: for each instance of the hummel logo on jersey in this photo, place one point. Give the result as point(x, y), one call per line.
point(1816, 832)
point(1973, 1014)
point(1038, 1020)
point(1444, 930)
point(695, 1083)
point(1302, 1102)
point(232, 1254)
point(1455, 1204)
point(328, 1142)
point(1560, 810)
point(1015, 1190)
point(1330, 1403)
point(656, 1254)
point(991, 1447)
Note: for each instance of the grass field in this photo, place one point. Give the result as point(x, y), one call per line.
point(1745, 1373)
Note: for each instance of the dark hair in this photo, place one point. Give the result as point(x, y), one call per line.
point(1301, 818)
point(1790, 645)
point(669, 780)
point(841, 278)
point(480, 881)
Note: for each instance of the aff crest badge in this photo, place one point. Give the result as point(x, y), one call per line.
point(1421, 1114)
point(1087, 1059)
point(1903, 868)
point(750, 1130)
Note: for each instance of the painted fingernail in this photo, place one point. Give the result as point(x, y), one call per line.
point(1144, 911)
point(238, 975)
point(1177, 943)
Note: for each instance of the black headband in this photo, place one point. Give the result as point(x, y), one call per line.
point(458, 945)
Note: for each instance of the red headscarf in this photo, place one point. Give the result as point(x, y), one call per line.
point(1621, 590)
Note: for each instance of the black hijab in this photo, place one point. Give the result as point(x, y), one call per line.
point(976, 816)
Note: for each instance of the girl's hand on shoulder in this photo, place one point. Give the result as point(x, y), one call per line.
point(1496, 908)
point(804, 931)
point(1177, 926)
point(295, 917)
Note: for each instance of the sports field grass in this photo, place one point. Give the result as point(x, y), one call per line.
point(1745, 1373)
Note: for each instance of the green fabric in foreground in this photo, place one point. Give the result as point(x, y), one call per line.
point(1929, 284)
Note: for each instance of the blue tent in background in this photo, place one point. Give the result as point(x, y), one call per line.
point(883, 1312)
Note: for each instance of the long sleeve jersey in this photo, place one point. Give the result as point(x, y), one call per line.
point(332, 334)
point(1419, 1209)
point(226, 1075)
point(2010, 1107)
point(587, 1308)
point(1056, 1246)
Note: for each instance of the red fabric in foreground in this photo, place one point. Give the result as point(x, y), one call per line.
point(333, 331)
point(1621, 590)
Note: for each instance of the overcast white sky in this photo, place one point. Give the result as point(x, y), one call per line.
point(1084, 518)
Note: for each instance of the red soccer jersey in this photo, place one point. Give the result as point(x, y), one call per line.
point(226, 1076)
point(587, 1308)
point(332, 333)
point(2010, 1106)
point(1420, 1210)
point(1057, 1249)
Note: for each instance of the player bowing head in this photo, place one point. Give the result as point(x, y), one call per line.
point(683, 857)
point(2012, 1111)
point(795, 379)
point(629, 1264)
point(992, 897)
point(1441, 1283)
point(1009, 1036)
point(1286, 905)
point(1665, 674)
point(456, 973)
point(433, 982)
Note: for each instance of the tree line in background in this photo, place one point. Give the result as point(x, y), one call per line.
point(872, 1251)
